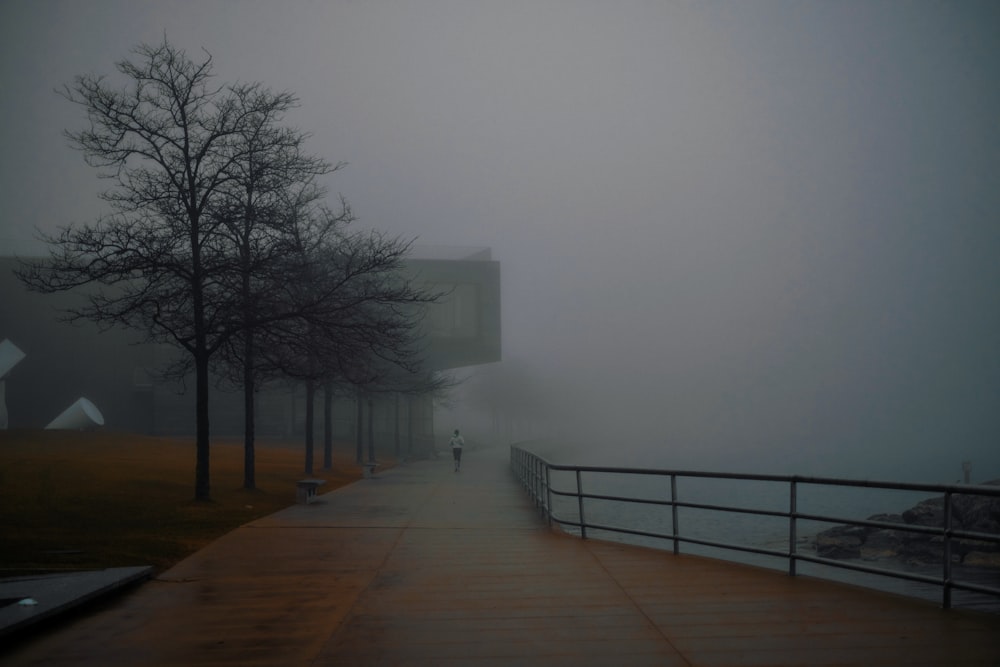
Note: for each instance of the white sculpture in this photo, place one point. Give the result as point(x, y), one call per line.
point(82, 415)
point(10, 356)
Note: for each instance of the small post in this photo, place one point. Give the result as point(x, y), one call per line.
point(673, 510)
point(946, 592)
point(548, 494)
point(536, 474)
point(792, 512)
point(532, 474)
point(579, 502)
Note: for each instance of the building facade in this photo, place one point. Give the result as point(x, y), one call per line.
point(116, 371)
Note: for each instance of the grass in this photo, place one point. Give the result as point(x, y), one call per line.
point(72, 500)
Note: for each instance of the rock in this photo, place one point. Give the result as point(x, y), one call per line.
point(838, 546)
point(926, 513)
point(881, 544)
point(969, 512)
point(983, 559)
point(977, 513)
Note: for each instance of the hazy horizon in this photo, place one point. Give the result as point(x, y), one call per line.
point(735, 232)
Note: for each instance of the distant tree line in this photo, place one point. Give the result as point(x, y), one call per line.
point(220, 241)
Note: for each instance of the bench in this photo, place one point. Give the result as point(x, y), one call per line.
point(305, 490)
point(369, 469)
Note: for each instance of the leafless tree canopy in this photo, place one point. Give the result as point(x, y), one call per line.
point(218, 239)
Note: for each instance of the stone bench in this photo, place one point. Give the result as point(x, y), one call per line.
point(305, 490)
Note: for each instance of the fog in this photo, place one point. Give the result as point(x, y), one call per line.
point(738, 235)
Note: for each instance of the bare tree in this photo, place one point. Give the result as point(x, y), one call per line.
point(270, 190)
point(173, 145)
point(374, 376)
point(356, 314)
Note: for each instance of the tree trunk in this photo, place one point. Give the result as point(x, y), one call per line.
point(310, 396)
point(249, 426)
point(409, 427)
point(395, 422)
point(202, 483)
point(249, 383)
point(371, 430)
point(359, 433)
point(328, 426)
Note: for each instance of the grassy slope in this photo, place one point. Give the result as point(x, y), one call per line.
point(71, 500)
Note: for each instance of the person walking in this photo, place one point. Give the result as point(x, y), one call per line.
point(457, 442)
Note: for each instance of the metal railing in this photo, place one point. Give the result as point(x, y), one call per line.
point(536, 475)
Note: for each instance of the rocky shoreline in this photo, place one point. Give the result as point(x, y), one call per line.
point(870, 543)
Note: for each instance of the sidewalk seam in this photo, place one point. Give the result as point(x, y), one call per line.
point(635, 604)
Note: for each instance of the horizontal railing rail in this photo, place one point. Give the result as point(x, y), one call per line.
point(535, 473)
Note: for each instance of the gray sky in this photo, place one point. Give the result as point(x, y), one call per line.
point(738, 228)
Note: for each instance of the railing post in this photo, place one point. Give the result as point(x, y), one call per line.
point(532, 479)
point(539, 501)
point(548, 494)
point(946, 592)
point(526, 473)
point(538, 482)
point(529, 479)
point(673, 510)
point(792, 510)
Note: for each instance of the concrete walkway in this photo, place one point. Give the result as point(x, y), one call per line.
point(425, 566)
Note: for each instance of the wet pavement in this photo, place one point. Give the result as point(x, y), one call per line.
point(425, 566)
